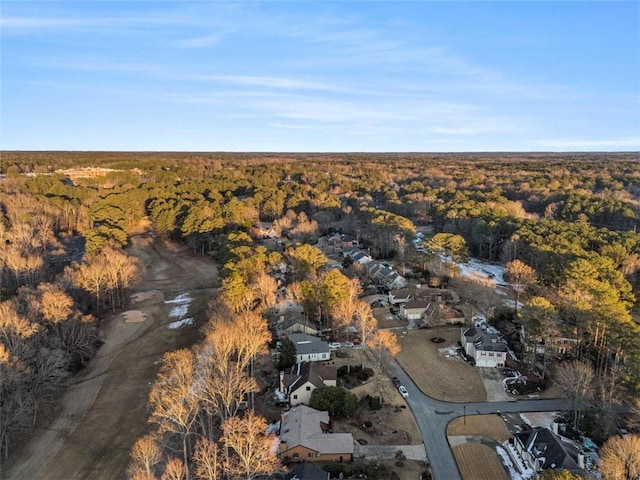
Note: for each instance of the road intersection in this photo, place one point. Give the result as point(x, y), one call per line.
point(433, 416)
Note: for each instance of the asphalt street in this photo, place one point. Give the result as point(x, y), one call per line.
point(433, 416)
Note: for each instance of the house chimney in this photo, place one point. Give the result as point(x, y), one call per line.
point(581, 459)
point(554, 427)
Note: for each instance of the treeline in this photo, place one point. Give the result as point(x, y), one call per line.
point(51, 295)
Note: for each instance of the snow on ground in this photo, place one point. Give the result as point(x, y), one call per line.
point(181, 323)
point(181, 303)
point(485, 272)
point(522, 472)
point(450, 351)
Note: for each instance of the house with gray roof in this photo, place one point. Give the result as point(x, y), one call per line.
point(307, 471)
point(540, 449)
point(486, 348)
point(298, 382)
point(305, 434)
point(310, 348)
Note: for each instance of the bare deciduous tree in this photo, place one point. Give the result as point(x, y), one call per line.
point(520, 276)
point(620, 458)
point(252, 449)
point(175, 470)
point(208, 460)
point(576, 380)
point(264, 287)
point(172, 399)
point(145, 454)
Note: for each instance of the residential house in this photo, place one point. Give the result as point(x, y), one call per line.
point(414, 309)
point(310, 348)
point(298, 383)
point(294, 321)
point(384, 275)
point(305, 434)
point(486, 347)
point(559, 343)
point(307, 471)
point(357, 255)
point(402, 295)
point(540, 449)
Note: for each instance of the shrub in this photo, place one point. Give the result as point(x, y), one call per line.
point(375, 403)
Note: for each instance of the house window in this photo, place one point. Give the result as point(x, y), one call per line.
point(295, 397)
point(295, 455)
point(309, 454)
point(491, 354)
point(308, 389)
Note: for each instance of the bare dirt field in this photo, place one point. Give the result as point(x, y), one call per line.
point(477, 461)
point(105, 408)
point(443, 378)
point(489, 426)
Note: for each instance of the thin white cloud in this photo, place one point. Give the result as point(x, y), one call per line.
point(204, 41)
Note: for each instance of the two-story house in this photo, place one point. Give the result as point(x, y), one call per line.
point(298, 382)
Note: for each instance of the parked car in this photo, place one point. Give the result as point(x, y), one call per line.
point(396, 381)
point(335, 345)
point(403, 391)
point(349, 344)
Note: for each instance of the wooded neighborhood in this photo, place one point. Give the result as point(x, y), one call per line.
point(313, 280)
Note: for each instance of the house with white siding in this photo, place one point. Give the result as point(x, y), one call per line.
point(486, 348)
point(298, 382)
point(310, 348)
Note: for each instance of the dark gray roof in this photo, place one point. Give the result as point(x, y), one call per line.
point(306, 344)
point(544, 445)
point(307, 471)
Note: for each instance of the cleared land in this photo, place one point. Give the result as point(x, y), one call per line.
point(443, 378)
point(105, 408)
point(478, 462)
point(489, 426)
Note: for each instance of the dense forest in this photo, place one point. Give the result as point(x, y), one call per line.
point(564, 224)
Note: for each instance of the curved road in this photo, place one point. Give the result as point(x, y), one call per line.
point(433, 416)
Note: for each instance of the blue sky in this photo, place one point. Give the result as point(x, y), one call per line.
point(320, 76)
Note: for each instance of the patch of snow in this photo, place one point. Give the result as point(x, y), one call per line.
point(522, 472)
point(450, 351)
point(182, 298)
point(181, 303)
point(482, 271)
point(180, 323)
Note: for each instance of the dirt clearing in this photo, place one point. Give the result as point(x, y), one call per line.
point(439, 376)
point(489, 426)
point(478, 462)
point(105, 408)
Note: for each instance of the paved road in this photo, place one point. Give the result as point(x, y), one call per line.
point(433, 417)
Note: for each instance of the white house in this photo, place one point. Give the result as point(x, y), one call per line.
point(310, 348)
point(298, 382)
point(414, 309)
point(486, 349)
